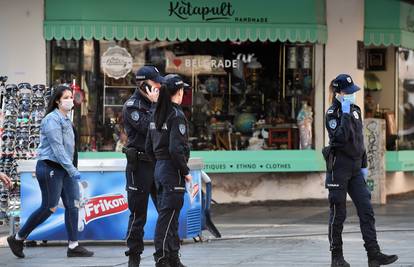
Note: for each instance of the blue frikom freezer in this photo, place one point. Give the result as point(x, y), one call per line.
point(103, 213)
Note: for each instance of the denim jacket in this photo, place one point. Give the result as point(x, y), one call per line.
point(57, 141)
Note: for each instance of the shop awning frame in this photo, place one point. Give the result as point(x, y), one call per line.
point(76, 19)
point(389, 23)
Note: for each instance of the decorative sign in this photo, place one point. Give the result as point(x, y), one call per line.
point(116, 62)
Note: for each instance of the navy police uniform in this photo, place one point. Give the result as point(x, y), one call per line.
point(345, 176)
point(140, 184)
point(169, 146)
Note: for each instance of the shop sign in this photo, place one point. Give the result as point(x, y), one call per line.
point(185, 9)
point(116, 62)
point(247, 166)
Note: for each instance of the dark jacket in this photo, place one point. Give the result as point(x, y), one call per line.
point(136, 114)
point(171, 142)
point(346, 132)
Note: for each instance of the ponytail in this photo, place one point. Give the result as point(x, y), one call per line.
point(164, 105)
point(332, 92)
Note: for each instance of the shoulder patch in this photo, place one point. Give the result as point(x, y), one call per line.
point(333, 124)
point(130, 103)
point(182, 128)
point(135, 115)
point(356, 115)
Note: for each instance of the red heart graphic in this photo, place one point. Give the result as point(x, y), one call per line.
point(177, 62)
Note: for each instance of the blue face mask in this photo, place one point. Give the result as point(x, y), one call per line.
point(351, 98)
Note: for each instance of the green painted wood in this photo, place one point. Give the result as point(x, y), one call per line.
point(215, 20)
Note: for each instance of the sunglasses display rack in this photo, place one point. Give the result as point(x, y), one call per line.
point(23, 108)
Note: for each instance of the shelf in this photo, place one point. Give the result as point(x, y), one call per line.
point(116, 106)
point(120, 86)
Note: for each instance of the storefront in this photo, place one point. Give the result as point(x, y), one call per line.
point(389, 76)
point(256, 72)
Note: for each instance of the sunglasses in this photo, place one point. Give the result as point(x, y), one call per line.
point(7, 150)
point(38, 87)
point(9, 135)
point(23, 120)
point(22, 86)
point(11, 89)
point(10, 112)
point(10, 127)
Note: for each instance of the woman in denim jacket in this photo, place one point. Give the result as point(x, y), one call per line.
point(56, 173)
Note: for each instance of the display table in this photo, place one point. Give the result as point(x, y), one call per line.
point(104, 213)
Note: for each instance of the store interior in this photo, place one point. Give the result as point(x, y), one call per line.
point(243, 96)
point(389, 93)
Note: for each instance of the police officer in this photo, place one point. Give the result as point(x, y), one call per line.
point(167, 142)
point(140, 168)
point(347, 173)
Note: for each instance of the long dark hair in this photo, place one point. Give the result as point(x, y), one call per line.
point(332, 92)
point(56, 96)
point(164, 105)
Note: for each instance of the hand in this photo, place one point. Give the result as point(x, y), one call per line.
point(77, 177)
point(188, 178)
point(153, 94)
point(6, 180)
point(364, 172)
point(346, 106)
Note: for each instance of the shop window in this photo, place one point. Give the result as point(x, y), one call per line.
point(244, 96)
point(406, 99)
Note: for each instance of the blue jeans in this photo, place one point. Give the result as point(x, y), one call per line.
point(55, 183)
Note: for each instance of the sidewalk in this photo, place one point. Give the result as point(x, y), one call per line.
point(269, 234)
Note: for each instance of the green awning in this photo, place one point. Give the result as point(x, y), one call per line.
point(294, 20)
point(389, 22)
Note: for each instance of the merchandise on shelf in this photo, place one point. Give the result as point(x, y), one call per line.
point(22, 109)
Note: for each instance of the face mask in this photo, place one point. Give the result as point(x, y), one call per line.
point(66, 104)
point(351, 98)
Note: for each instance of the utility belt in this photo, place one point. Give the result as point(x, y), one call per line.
point(328, 153)
point(133, 155)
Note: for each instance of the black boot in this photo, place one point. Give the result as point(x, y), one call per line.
point(175, 260)
point(134, 260)
point(376, 258)
point(16, 246)
point(338, 259)
point(162, 263)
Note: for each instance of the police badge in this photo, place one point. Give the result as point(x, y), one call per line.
point(135, 115)
point(182, 128)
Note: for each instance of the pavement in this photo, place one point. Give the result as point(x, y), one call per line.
point(259, 234)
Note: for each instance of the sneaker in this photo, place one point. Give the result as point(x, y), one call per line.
point(79, 251)
point(16, 246)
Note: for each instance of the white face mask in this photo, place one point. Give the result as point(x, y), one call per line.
point(67, 104)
